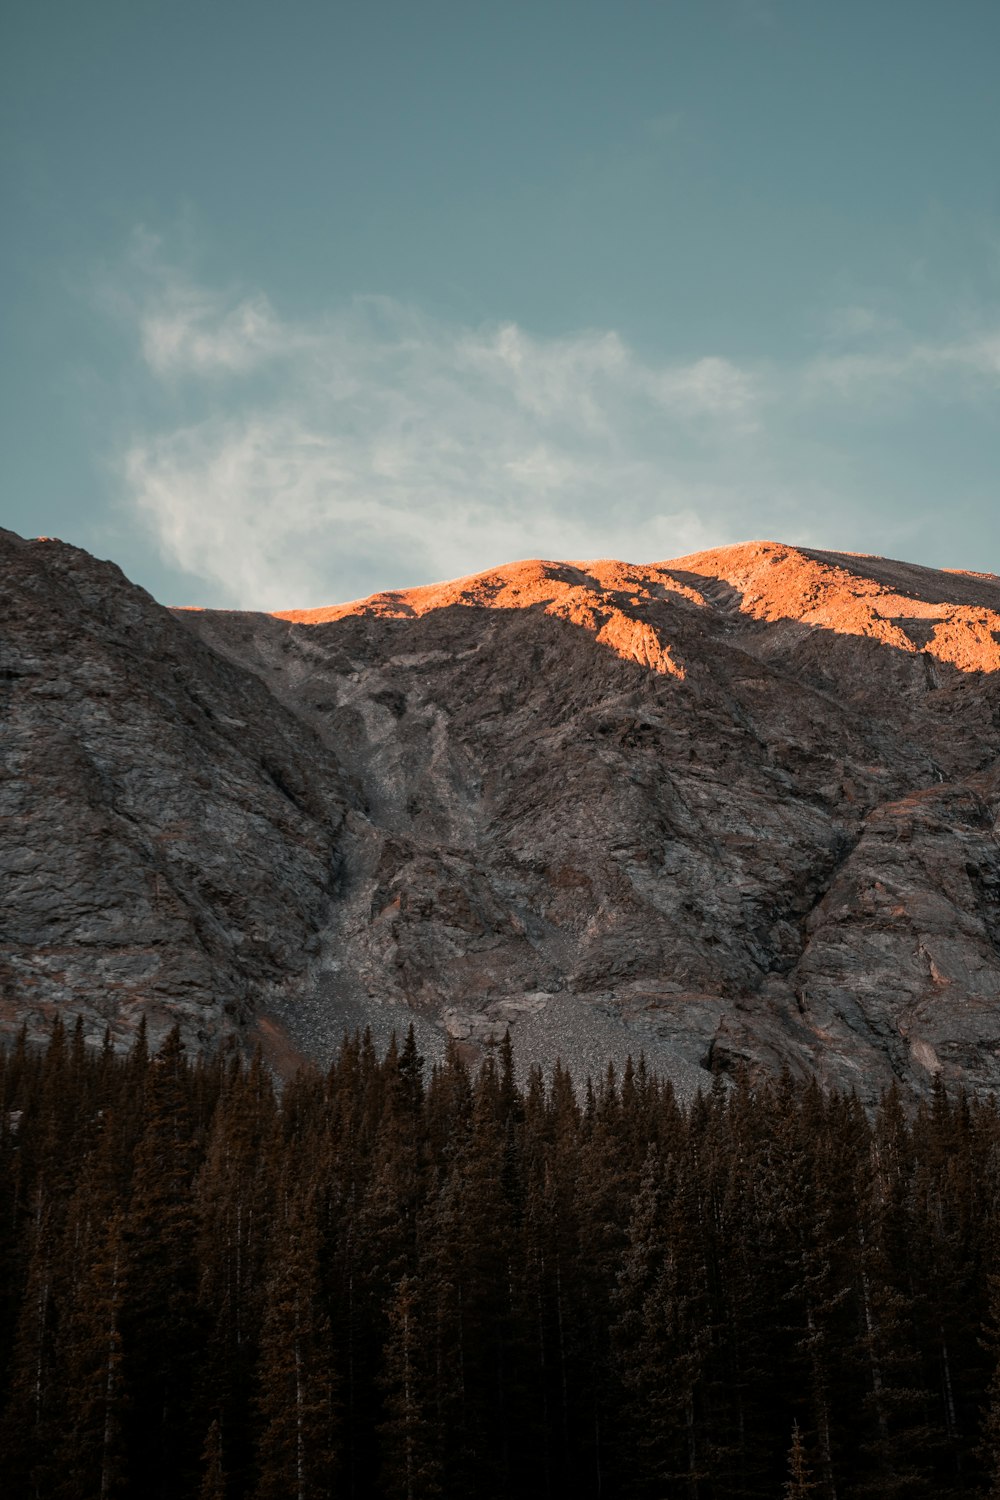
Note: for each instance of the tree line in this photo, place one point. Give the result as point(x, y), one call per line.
point(384, 1282)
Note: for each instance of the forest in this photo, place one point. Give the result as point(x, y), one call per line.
point(392, 1281)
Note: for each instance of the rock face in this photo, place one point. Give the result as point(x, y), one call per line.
point(169, 834)
point(737, 808)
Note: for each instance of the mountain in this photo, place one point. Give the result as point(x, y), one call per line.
point(169, 833)
point(739, 808)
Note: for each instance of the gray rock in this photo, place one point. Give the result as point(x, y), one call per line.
point(734, 810)
point(170, 834)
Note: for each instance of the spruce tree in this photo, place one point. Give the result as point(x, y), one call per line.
point(799, 1484)
point(297, 1401)
point(213, 1481)
point(658, 1343)
point(410, 1441)
point(234, 1193)
point(161, 1327)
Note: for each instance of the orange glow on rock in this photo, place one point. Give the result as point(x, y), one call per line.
point(953, 617)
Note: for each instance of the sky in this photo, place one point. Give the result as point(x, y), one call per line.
point(305, 301)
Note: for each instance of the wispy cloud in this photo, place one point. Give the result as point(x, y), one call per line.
point(897, 368)
point(382, 444)
point(187, 334)
point(854, 322)
point(377, 445)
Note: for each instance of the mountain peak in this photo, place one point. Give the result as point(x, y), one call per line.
point(734, 809)
point(952, 615)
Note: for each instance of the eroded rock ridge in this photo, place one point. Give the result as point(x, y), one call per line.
point(738, 808)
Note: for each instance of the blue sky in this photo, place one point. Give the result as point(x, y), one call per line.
point(303, 301)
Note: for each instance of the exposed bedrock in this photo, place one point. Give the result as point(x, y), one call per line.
point(169, 833)
point(734, 809)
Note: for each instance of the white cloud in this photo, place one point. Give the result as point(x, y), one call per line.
point(274, 514)
point(898, 369)
point(853, 321)
point(378, 447)
point(185, 329)
point(389, 447)
point(189, 333)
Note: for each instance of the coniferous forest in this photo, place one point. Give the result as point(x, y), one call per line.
point(383, 1282)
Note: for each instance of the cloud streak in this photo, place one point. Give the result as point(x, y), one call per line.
point(899, 371)
point(378, 446)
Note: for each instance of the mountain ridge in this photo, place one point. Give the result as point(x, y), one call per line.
point(734, 809)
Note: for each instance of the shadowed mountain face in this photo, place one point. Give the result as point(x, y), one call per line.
point(737, 807)
point(168, 834)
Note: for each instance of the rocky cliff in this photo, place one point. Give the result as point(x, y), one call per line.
point(168, 833)
point(739, 807)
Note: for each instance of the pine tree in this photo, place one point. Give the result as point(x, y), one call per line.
point(92, 1457)
point(659, 1344)
point(799, 1483)
point(297, 1401)
point(213, 1483)
point(989, 1447)
point(234, 1200)
point(160, 1326)
point(411, 1466)
point(34, 1400)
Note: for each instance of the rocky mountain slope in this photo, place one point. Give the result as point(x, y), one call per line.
point(168, 834)
point(736, 807)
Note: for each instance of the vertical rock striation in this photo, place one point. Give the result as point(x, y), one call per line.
point(170, 833)
point(736, 809)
